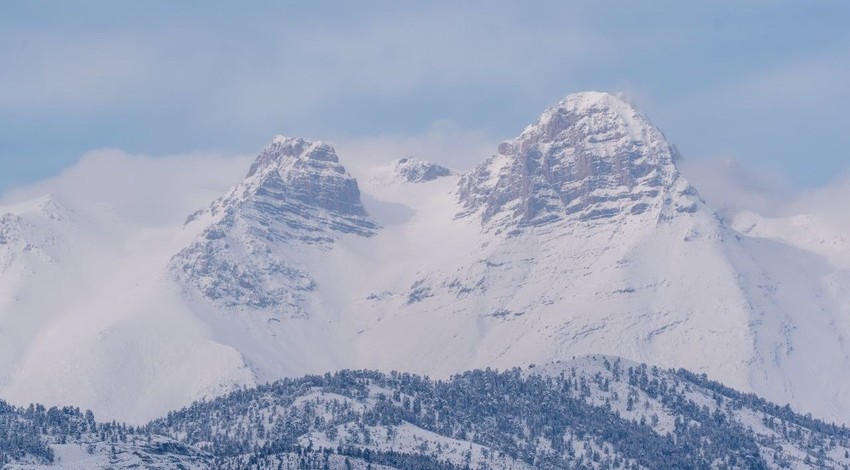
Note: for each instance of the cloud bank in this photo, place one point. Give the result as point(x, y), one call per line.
point(148, 190)
point(139, 189)
point(730, 186)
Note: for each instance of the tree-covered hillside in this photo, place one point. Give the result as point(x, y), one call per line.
point(594, 412)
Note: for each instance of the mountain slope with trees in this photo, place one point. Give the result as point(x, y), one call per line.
point(592, 412)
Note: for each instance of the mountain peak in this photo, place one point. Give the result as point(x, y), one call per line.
point(300, 179)
point(589, 100)
point(414, 170)
point(287, 149)
point(296, 195)
point(589, 156)
point(591, 115)
point(586, 99)
point(296, 169)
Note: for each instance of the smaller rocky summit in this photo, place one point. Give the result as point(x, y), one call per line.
point(296, 196)
point(414, 170)
point(295, 190)
point(306, 172)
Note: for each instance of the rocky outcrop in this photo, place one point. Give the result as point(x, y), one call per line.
point(295, 197)
point(591, 156)
point(414, 170)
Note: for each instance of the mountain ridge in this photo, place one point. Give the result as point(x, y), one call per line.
point(578, 236)
point(591, 412)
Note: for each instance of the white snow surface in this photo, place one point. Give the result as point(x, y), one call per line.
point(434, 277)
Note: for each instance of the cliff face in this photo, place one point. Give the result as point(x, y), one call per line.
point(591, 156)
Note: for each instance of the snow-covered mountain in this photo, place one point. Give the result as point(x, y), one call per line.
point(579, 236)
point(296, 198)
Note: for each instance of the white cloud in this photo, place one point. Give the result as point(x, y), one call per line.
point(831, 203)
point(729, 185)
point(155, 190)
point(141, 189)
point(445, 143)
point(150, 191)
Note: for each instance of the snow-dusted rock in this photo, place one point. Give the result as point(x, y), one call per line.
point(414, 170)
point(590, 156)
point(295, 199)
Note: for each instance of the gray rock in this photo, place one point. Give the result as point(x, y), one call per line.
point(591, 156)
point(414, 170)
point(296, 197)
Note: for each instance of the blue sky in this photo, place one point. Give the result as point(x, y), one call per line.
point(764, 83)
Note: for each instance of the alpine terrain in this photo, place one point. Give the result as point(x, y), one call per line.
point(595, 412)
point(579, 236)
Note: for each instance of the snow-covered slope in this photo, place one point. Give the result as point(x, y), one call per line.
point(809, 232)
point(30, 243)
point(89, 317)
point(579, 236)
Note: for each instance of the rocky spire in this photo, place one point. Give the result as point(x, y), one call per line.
point(590, 156)
point(295, 197)
point(308, 172)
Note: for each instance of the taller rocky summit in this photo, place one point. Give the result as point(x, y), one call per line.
point(590, 156)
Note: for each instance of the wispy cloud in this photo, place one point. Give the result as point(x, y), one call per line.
point(140, 189)
point(829, 202)
point(729, 186)
point(445, 142)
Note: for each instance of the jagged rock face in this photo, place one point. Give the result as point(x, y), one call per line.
point(296, 197)
point(254, 277)
point(306, 172)
point(414, 170)
point(297, 189)
point(591, 156)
